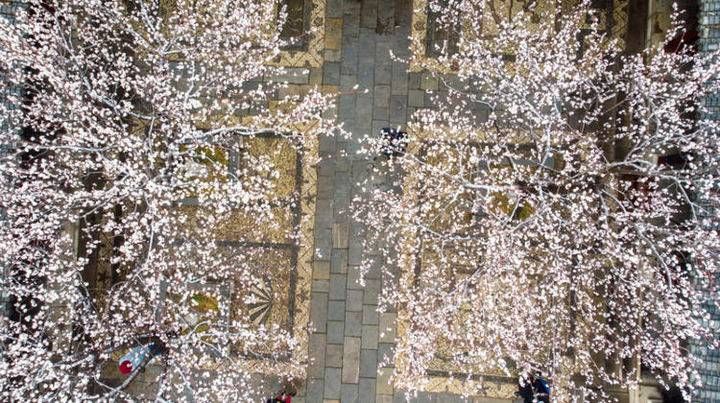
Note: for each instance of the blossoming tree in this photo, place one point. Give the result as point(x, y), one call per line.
point(134, 138)
point(550, 217)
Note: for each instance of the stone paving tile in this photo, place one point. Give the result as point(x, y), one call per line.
point(428, 83)
point(416, 98)
point(321, 270)
point(347, 83)
point(368, 388)
point(343, 163)
point(368, 363)
point(366, 42)
point(368, 17)
point(349, 393)
point(327, 143)
point(320, 286)
point(333, 355)
point(386, 353)
point(338, 263)
point(323, 221)
point(351, 26)
point(355, 254)
point(340, 234)
point(365, 72)
point(335, 331)
point(382, 96)
point(331, 55)
point(353, 324)
point(370, 336)
point(383, 69)
point(318, 311)
point(334, 8)
point(333, 33)
point(370, 315)
point(346, 105)
point(351, 10)
point(372, 290)
point(398, 109)
point(331, 73)
point(351, 360)
point(364, 107)
point(336, 310)
point(337, 286)
point(383, 46)
point(354, 278)
point(316, 350)
point(322, 238)
point(314, 393)
point(332, 383)
point(414, 81)
point(349, 60)
point(381, 113)
point(399, 78)
point(432, 99)
point(387, 327)
point(383, 381)
point(355, 300)
point(341, 194)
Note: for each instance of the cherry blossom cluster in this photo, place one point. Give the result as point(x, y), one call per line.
point(125, 121)
point(553, 211)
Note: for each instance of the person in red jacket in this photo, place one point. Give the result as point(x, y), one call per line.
point(283, 397)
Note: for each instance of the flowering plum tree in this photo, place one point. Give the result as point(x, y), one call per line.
point(550, 217)
point(136, 136)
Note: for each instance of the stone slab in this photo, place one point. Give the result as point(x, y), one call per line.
point(333, 355)
point(332, 383)
point(355, 300)
point(321, 270)
point(353, 324)
point(336, 310)
point(368, 363)
point(318, 311)
point(337, 286)
point(335, 331)
point(368, 386)
point(349, 393)
point(351, 360)
point(370, 315)
point(370, 336)
point(333, 33)
point(340, 234)
point(387, 327)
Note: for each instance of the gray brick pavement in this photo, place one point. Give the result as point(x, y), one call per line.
point(351, 339)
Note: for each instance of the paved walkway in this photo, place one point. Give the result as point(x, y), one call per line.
point(347, 343)
point(350, 337)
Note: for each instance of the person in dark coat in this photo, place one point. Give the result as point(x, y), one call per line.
point(525, 390)
point(542, 389)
